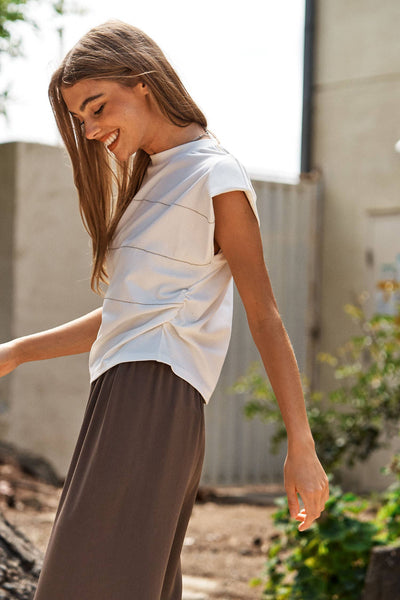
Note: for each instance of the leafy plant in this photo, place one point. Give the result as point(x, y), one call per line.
point(348, 423)
point(329, 561)
point(10, 13)
point(14, 12)
point(388, 516)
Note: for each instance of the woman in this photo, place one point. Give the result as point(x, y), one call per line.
point(172, 216)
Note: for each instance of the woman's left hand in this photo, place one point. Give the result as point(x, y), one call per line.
point(305, 476)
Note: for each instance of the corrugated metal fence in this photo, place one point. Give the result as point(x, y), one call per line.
point(237, 450)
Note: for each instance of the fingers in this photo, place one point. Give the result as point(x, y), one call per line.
point(307, 519)
point(304, 476)
point(293, 502)
point(314, 504)
point(306, 516)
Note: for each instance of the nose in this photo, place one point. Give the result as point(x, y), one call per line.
point(91, 130)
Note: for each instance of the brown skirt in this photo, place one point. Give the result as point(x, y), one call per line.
point(129, 491)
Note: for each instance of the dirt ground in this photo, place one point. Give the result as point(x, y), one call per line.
point(226, 542)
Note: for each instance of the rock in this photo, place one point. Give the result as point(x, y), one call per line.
point(383, 576)
point(20, 564)
point(30, 463)
point(33, 502)
point(206, 494)
point(7, 492)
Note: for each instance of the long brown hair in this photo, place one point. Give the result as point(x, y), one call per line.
point(119, 52)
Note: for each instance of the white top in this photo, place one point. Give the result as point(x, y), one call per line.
point(169, 297)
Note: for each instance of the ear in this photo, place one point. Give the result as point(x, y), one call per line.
point(143, 88)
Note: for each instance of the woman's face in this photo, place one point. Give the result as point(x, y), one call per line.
point(122, 118)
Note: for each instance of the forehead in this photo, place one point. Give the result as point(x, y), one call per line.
point(77, 96)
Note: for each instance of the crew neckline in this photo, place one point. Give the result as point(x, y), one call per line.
point(159, 157)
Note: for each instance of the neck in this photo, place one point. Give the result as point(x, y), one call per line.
point(171, 136)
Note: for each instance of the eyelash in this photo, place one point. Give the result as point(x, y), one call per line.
point(96, 112)
point(100, 110)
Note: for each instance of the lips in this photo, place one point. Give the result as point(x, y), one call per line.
point(111, 140)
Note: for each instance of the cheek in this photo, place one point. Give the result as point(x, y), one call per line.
point(127, 117)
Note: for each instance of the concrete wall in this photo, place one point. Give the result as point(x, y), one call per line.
point(44, 275)
point(356, 124)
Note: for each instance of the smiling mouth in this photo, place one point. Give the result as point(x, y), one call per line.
point(112, 140)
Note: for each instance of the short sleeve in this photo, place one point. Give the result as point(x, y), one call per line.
point(228, 175)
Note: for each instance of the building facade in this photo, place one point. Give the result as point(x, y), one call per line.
point(356, 124)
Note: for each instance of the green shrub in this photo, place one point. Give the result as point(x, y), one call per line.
point(348, 424)
point(388, 516)
point(329, 561)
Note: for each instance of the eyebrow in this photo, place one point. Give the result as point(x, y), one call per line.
point(85, 102)
point(90, 99)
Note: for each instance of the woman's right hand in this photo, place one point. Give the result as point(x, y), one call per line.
point(8, 357)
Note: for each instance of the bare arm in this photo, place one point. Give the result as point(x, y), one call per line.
point(74, 337)
point(238, 235)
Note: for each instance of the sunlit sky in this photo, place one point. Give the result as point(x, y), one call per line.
point(240, 60)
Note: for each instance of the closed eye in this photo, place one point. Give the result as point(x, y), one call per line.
point(99, 111)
